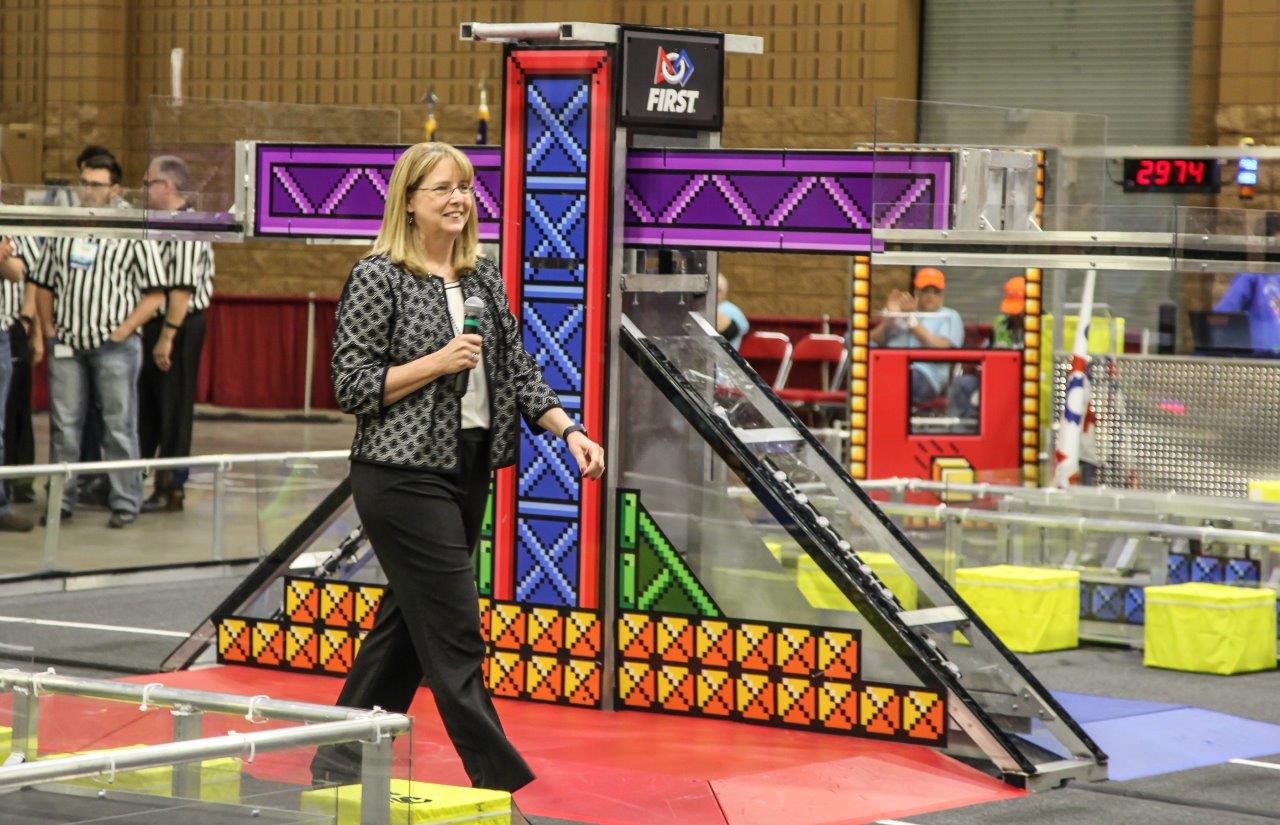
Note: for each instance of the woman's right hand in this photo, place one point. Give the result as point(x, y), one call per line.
point(462, 353)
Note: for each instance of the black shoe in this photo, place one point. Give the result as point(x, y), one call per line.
point(11, 522)
point(66, 516)
point(335, 765)
point(164, 501)
point(121, 518)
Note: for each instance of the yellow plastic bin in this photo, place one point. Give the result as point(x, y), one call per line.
point(823, 593)
point(219, 778)
point(1031, 609)
point(1267, 490)
point(1210, 628)
point(417, 803)
point(893, 576)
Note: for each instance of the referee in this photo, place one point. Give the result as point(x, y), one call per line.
point(16, 308)
point(174, 338)
point(95, 293)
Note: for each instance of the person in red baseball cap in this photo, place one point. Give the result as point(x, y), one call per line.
point(922, 321)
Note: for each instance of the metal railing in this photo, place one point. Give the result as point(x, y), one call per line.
point(1167, 504)
point(60, 475)
point(375, 731)
point(1083, 524)
point(1086, 524)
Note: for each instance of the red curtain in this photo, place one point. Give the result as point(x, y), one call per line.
point(254, 354)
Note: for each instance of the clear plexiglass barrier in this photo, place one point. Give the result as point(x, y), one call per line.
point(996, 159)
point(796, 525)
point(178, 175)
point(119, 752)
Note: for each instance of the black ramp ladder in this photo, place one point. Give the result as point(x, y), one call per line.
point(1003, 716)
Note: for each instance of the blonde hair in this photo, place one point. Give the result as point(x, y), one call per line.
point(396, 238)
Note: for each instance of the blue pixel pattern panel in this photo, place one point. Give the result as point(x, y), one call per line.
point(553, 311)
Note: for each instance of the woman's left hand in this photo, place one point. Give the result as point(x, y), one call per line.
point(588, 454)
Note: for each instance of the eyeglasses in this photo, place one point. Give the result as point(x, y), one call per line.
point(93, 184)
point(147, 183)
point(442, 191)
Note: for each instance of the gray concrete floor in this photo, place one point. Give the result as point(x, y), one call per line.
point(263, 503)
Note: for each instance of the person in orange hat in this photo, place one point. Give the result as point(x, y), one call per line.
point(1007, 331)
point(922, 321)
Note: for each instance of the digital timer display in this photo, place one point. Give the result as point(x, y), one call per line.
point(1171, 175)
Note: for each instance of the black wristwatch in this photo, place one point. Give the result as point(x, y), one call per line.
point(571, 429)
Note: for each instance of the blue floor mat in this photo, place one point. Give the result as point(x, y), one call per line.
point(1086, 707)
point(1151, 743)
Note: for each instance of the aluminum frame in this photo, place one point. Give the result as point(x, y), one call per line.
point(577, 32)
point(121, 224)
point(328, 725)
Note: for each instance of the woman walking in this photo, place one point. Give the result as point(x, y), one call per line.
point(425, 445)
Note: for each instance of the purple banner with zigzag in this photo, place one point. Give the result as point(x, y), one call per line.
point(787, 200)
point(315, 191)
point(770, 200)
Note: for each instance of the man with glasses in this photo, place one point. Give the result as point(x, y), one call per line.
point(94, 488)
point(95, 294)
point(173, 338)
point(922, 321)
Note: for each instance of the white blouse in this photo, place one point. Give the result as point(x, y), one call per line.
point(475, 403)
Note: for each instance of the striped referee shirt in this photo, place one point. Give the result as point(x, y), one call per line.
point(28, 249)
point(189, 265)
point(96, 284)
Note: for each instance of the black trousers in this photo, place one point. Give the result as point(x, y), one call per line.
point(423, 527)
point(167, 400)
point(19, 435)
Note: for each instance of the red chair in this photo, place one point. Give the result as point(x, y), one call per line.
point(769, 354)
point(818, 367)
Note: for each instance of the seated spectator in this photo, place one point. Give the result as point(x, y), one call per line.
point(731, 322)
point(1258, 295)
point(1007, 332)
point(922, 321)
point(1008, 329)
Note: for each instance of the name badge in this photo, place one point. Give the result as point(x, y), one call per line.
point(63, 351)
point(84, 251)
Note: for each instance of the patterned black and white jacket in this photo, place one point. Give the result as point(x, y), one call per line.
point(388, 316)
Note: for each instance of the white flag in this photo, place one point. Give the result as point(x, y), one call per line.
point(1075, 430)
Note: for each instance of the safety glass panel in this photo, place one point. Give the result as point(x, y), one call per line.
point(192, 175)
point(1238, 240)
point(820, 506)
point(946, 397)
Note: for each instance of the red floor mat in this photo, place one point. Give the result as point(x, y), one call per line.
point(622, 767)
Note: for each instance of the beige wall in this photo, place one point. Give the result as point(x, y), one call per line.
point(1235, 84)
point(83, 71)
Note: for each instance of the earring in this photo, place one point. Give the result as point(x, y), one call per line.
point(411, 219)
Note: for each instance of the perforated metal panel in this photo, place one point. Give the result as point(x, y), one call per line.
point(1195, 425)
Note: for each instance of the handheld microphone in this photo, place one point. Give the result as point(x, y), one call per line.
point(472, 309)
